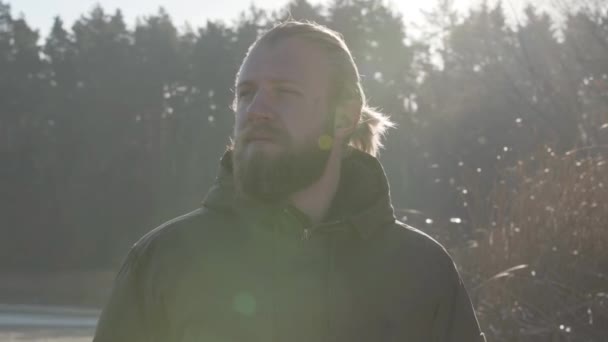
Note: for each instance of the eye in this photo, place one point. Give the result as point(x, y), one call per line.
point(287, 90)
point(244, 93)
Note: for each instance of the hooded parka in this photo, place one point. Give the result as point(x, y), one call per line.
point(239, 270)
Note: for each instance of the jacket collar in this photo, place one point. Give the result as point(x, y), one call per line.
point(362, 200)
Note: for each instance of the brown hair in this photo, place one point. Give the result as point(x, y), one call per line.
point(346, 80)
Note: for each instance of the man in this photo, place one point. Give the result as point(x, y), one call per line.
point(297, 240)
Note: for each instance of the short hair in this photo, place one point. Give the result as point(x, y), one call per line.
point(346, 80)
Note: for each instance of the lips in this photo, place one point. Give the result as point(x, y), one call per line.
point(265, 134)
point(260, 137)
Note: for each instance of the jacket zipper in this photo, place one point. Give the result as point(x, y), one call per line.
point(307, 232)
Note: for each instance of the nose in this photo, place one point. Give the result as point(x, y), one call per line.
point(260, 108)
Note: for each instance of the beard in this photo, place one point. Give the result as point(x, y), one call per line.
point(272, 177)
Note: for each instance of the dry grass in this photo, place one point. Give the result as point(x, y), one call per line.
point(538, 268)
point(56, 335)
point(78, 288)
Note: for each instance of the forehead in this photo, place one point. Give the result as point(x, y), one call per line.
point(292, 59)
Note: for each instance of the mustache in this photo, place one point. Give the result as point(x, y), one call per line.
point(265, 129)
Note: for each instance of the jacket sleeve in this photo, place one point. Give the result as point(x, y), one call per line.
point(455, 319)
point(125, 317)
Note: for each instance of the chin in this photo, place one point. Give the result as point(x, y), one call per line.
point(263, 148)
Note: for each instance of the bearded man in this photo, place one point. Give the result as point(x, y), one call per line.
point(297, 240)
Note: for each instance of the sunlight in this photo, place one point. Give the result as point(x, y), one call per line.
point(196, 13)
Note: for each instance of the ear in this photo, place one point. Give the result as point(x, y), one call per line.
point(346, 120)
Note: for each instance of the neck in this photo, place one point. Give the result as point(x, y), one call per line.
point(315, 200)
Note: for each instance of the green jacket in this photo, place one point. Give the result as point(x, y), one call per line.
point(235, 270)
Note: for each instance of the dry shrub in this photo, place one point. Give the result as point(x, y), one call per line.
point(69, 288)
point(538, 268)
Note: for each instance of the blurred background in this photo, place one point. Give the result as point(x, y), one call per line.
point(112, 122)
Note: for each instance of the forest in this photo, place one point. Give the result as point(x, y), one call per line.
point(500, 150)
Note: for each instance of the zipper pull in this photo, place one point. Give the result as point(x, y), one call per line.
point(306, 234)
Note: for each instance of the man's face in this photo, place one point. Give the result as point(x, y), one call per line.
point(281, 112)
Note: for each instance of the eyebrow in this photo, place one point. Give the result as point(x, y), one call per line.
point(277, 81)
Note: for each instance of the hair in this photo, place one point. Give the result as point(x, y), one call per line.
point(346, 80)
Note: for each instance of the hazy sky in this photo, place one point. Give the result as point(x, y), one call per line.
point(40, 13)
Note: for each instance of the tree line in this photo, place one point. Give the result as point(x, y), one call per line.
point(106, 131)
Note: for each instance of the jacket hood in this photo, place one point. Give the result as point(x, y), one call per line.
point(362, 200)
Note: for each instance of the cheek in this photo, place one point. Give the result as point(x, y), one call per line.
point(239, 122)
point(307, 131)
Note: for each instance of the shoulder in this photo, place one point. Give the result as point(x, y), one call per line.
point(159, 257)
point(417, 250)
point(178, 237)
point(417, 241)
point(169, 230)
